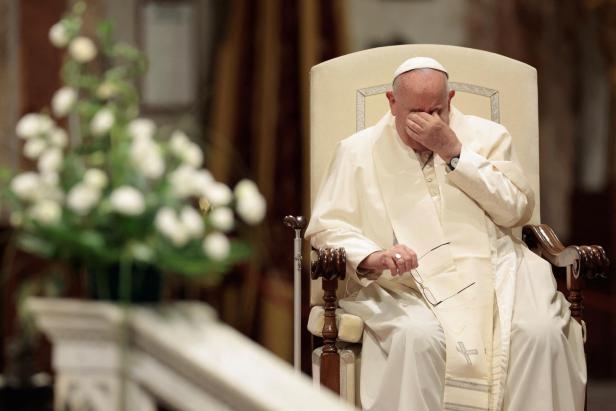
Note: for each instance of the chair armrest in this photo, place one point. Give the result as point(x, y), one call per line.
point(581, 262)
point(588, 260)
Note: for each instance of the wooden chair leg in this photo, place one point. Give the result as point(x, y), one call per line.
point(330, 359)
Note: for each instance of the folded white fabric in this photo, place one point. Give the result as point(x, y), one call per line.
point(350, 327)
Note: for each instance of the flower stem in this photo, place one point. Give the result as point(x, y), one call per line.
point(126, 264)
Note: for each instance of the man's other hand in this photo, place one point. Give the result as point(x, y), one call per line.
point(433, 133)
point(398, 259)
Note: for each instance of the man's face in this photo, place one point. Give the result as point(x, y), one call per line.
point(423, 90)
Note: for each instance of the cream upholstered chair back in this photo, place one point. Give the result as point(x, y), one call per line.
point(347, 94)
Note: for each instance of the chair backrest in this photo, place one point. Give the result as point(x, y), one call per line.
point(347, 94)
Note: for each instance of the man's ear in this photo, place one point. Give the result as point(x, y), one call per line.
point(392, 101)
point(451, 94)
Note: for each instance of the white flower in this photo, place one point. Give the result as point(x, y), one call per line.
point(141, 252)
point(181, 180)
point(193, 156)
point(95, 178)
point(34, 147)
point(30, 186)
point(63, 101)
point(169, 225)
point(53, 193)
point(251, 207)
point(127, 200)
point(201, 182)
point(187, 151)
point(49, 188)
point(50, 179)
point(222, 219)
point(179, 140)
point(82, 49)
point(179, 237)
point(81, 198)
point(26, 185)
point(147, 157)
point(245, 188)
point(153, 164)
point(142, 128)
point(58, 35)
point(28, 125)
point(50, 161)
point(58, 137)
point(33, 124)
point(106, 90)
point(187, 181)
point(216, 246)
point(46, 212)
point(218, 194)
point(102, 122)
point(192, 221)
point(165, 220)
point(179, 229)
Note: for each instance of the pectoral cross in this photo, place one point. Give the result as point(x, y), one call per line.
point(466, 353)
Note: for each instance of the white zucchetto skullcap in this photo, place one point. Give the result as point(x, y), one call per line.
point(419, 63)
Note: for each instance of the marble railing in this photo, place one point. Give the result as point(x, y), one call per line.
point(179, 356)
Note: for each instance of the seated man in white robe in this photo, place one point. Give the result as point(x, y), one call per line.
point(459, 314)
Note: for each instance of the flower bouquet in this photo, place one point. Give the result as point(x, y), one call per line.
point(120, 194)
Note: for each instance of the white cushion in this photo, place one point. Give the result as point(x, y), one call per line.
point(350, 327)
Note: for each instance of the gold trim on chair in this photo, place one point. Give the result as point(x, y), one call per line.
point(362, 93)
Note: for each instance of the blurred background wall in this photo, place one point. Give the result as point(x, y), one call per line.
point(235, 75)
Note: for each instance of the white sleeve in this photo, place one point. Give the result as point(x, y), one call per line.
point(335, 215)
point(496, 183)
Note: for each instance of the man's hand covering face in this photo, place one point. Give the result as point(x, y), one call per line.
point(433, 133)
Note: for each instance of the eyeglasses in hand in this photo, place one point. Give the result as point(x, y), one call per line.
point(428, 295)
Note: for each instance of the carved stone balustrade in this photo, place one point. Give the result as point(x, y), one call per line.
point(179, 356)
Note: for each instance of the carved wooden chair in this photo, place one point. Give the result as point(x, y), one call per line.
point(347, 95)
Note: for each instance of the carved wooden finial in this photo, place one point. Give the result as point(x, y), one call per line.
point(330, 263)
point(594, 261)
point(295, 222)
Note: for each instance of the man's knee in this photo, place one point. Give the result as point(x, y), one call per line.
point(423, 336)
point(539, 331)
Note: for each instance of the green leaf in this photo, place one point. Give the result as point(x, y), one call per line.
point(92, 240)
point(105, 35)
point(35, 245)
point(191, 262)
point(79, 7)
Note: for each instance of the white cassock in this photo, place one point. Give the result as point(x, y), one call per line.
point(486, 329)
